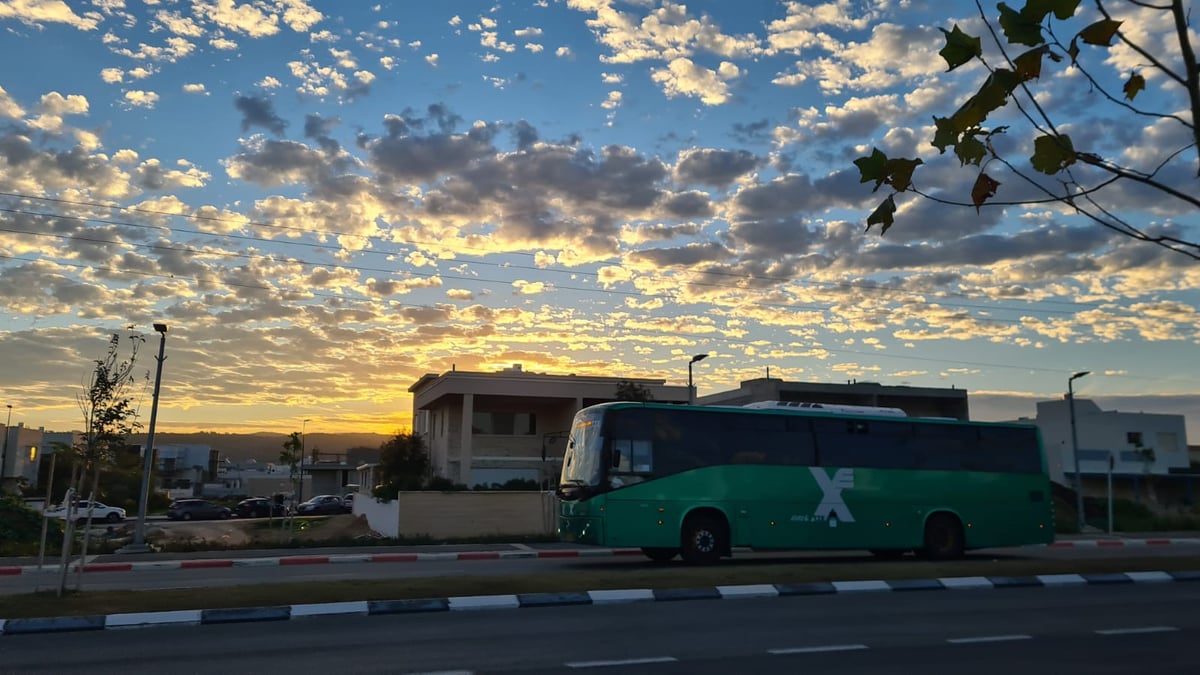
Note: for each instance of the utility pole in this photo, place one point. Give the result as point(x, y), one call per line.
point(4, 453)
point(1075, 445)
point(691, 387)
point(139, 531)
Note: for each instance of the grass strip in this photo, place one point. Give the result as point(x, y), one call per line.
point(595, 578)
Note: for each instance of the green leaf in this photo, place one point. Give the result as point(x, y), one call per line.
point(1135, 84)
point(984, 188)
point(873, 168)
point(1052, 153)
point(1020, 28)
point(1073, 50)
point(970, 151)
point(992, 95)
point(1063, 9)
point(1029, 64)
point(900, 171)
point(883, 215)
point(960, 48)
point(1100, 33)
point(946, 133)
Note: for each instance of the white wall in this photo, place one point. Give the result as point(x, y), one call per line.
point(383, 518)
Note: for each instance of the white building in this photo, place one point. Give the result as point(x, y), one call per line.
point(26, 448)
point(1104, 434)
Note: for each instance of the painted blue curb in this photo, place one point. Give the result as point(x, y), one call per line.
point(245, 614)
point(553, 599)
point(61, 624)
point(561, 599)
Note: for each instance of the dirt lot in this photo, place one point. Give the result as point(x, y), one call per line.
point(243, 533)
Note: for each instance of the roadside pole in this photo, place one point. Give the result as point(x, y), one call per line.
point(1110, 492)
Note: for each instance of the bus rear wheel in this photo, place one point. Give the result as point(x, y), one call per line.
point(943, 537)
point(703, 540)
point(660, 555)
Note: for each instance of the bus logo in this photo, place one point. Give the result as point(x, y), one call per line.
point(832, 507)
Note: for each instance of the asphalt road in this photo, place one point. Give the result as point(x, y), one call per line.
point(233, 576)
point(1059, 630)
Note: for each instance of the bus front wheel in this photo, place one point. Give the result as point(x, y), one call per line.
point(660, 555)
point(943, 537)
point(703, 540)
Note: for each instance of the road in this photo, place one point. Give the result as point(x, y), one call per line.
point(232, 576)
point(1060, 630)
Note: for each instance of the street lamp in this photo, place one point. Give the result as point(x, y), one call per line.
point(300, 487)
point(691, 389)
point(4, 453)
point(139, 531)
point(1075, 444)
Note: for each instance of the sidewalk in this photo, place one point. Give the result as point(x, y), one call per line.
point(113, 562)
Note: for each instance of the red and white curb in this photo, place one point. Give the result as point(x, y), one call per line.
point(1106, 543)
point(322, 560)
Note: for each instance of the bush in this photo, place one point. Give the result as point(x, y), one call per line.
point(21, 527)
point(445, 484)
point(516, 484)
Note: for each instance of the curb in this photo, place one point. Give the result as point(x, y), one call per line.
point(467, 555)
point(1103, 543)
point(322, 560)
point(560, 599)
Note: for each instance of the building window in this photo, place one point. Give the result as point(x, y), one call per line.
point(1133, 437)
point(504, 423)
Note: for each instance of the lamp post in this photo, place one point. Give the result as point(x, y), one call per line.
point(1075, 445)
point(691, 389)
point(300, 487)
point(4, 453)
point(139, 531)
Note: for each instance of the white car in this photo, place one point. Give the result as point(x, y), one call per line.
point(100, 512)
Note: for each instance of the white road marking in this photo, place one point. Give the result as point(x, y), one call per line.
point(813, 650)
point(1137, 631)
point(620, 662)
point(988, 638)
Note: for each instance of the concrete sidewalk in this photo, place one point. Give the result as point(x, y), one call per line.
point(113, 562)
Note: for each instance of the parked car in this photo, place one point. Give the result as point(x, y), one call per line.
point(321, 505)
point(258, 507)
point(197, 509)
point(110, 514)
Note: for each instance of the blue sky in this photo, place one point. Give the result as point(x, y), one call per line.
point(326, 200)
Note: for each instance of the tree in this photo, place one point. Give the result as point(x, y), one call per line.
point(632, 391)
point(1081, 178)
point(403, 465)
point(291, 456)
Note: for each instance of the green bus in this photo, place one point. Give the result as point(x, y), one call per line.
point(697, 481)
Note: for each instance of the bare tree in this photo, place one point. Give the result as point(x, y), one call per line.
point(1082, 178)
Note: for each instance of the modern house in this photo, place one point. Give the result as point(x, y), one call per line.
point(490, 428)
point(25, 447)
point(1140, 446)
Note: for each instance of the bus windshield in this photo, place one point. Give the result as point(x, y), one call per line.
point(582, 462)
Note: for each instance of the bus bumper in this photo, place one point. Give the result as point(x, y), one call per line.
point(581, 530)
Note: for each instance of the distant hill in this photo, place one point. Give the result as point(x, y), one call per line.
point(265, 447)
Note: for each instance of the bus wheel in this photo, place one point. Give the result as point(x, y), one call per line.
point(660, 555)
point(888, 553)
point(943, 537)
point(703, 540)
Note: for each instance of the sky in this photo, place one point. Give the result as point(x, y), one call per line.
point(326, 200)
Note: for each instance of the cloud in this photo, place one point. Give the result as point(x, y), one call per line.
point(259, 112)
point(682, 77)
point(38, 12)
point(141, 99)
point(195, 88)
point(714, 167)
point(112, 75)
point(432, 60)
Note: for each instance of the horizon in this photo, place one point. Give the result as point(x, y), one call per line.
point(324, 202)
